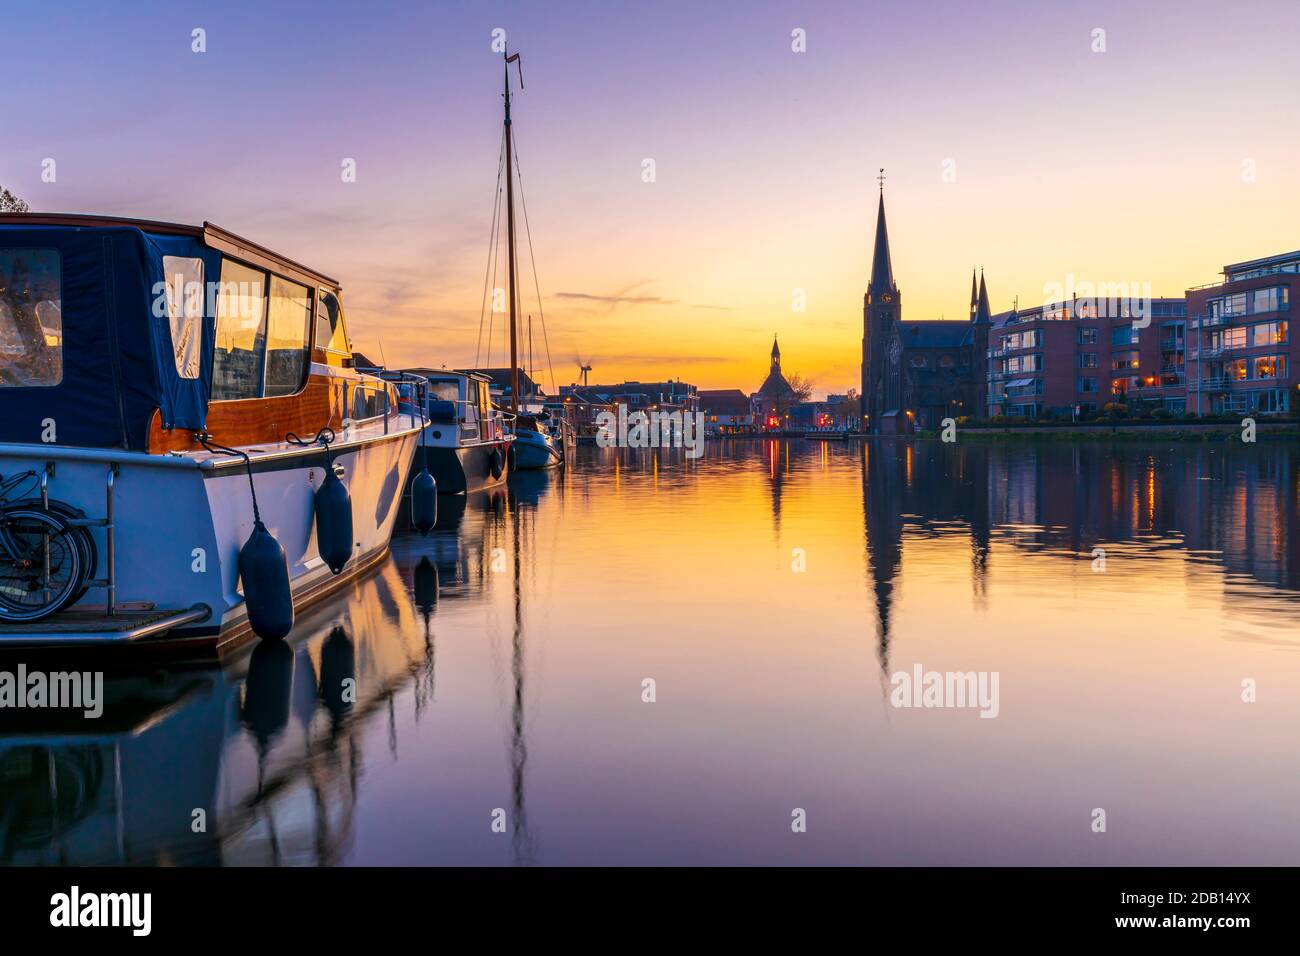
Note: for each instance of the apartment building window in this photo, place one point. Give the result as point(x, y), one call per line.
point(1267, 400)
point(1028, 339)
point(1269, 333)
point(1087, 360)
point(1024, 363)
point(1124, 335)
point(1124, 360)
point(1269, 366)
point(1273, 299)
point(1227, 305)
point(1087, 385)
point(1228, 339)
point(1269, 300)
point(1087, 336)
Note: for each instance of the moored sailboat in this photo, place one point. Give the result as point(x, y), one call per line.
point(539, 440)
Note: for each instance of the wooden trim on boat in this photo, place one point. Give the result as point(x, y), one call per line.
point(227, 243)
point(253, 421)
point(80, 219)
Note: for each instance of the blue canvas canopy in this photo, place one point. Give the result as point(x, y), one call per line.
point(111, 361)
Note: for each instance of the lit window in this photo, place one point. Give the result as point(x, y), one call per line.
point(241, 333)
point(288, 326)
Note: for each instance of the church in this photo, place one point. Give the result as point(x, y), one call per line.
point(775, 397)
point(917, 373)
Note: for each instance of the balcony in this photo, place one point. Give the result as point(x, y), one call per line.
point(1217, 383)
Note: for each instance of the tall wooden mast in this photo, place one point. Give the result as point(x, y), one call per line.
point(510, 236)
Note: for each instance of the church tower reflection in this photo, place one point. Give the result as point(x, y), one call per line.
point(883, 528)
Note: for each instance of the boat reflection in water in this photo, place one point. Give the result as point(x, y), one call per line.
point(254, 764)
point(257, 763)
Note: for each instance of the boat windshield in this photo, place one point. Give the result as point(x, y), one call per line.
point(444, 391)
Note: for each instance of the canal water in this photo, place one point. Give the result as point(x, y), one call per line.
point(656, 660)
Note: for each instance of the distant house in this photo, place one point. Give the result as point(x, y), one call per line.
point(727, 411)
point(583, 409)
point(666, 396)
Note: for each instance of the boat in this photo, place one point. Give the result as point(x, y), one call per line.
point(541, 441)
point(466, 442)
point(168, 394)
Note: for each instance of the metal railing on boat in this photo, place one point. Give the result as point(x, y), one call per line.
point(109, 581)
point(114, 623)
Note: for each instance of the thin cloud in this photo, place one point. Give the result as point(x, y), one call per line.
point(616, 299)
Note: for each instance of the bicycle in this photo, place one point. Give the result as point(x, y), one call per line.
point(44, 561)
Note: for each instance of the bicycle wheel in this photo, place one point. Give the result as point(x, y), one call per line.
point(43, 571)
point(85, 540)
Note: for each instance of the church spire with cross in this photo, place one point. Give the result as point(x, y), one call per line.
point(882, 270)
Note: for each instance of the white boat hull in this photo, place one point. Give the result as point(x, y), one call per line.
point(182, 519)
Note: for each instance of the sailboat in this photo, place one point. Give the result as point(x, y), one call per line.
point(539, 436)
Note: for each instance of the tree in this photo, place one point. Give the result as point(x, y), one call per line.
point(802, 387)
point(11, 203)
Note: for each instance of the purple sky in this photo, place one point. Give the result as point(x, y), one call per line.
point(1122, 165)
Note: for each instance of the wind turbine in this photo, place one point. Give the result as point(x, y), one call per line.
point(584, 369)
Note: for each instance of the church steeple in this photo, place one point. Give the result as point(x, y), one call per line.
point(982, 311)
point(776, 354)
point(974, 296)
point(882, 270)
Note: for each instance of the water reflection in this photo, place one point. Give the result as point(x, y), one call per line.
point(1221, 506)
point(497, 664)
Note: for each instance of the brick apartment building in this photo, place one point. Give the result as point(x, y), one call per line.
point(1239, 329)
point(1223, 349)
point(1074, 358)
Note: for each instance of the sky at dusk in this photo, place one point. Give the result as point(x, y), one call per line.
point(1159, 160)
